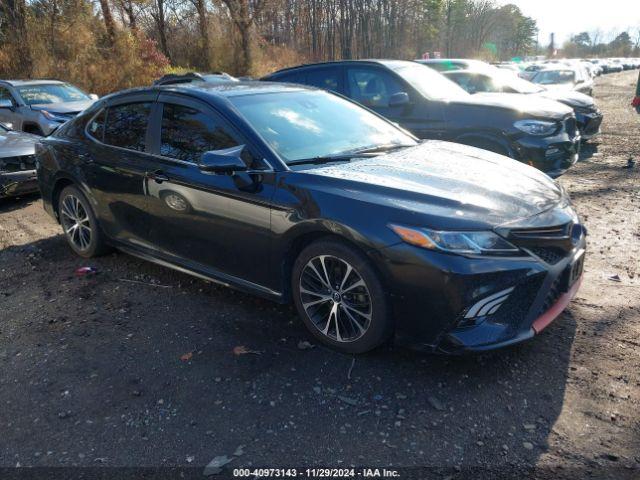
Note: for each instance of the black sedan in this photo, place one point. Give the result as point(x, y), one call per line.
point(17, 163)
point(541, 133)
point(489, 79)
point(300, 195)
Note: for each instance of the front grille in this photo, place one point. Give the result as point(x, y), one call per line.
point(17, 164)
point(550, 244)
point(550, 255)
point(556, 231)
point(571, 126)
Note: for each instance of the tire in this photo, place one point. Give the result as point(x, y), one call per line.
point(86, 238)
point(352, 318)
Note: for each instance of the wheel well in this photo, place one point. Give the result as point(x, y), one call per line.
point(32, 128)
point(486, 144)
point(60, 185)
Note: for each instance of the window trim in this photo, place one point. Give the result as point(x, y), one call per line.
point(116, 103)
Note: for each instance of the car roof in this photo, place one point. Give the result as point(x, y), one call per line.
point(215, 90)
point(371, 61)
point(18, 83)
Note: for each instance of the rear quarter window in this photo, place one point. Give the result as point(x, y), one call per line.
point(126, 126)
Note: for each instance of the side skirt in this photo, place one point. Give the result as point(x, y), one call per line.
point(204, 273)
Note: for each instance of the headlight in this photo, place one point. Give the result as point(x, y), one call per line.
point(469, 243)
point(538, 128)
point(54, 117)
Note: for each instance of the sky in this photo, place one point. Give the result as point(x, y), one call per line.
point(567, 17)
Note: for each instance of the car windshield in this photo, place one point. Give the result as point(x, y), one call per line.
point(551, 77)
point(429, 83)
point(50, 93)
point(306, 124)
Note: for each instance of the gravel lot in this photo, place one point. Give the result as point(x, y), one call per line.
point(135, 366)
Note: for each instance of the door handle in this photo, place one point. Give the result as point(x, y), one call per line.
point(158, 176)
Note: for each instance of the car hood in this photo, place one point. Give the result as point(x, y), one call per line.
point(568, 97)
point(64, 107)
point(445, 184)
point(14, 144)
point(525, 105)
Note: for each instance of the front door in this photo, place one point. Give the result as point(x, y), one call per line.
point(373, 87)
point(213, 222)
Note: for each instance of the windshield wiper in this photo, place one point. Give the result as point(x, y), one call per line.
point(382, 148)
point(340, 157)
point(366, 152)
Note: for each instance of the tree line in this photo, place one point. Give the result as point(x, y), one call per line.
point(593, 44)
point(105, 45)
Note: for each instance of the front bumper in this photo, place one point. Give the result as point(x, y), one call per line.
point(589, 124)
point(433, 295)
point(18, 183)
point(553, 155)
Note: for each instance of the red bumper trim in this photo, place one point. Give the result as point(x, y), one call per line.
point(556, 309)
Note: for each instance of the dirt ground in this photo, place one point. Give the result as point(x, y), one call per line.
point(135, 366)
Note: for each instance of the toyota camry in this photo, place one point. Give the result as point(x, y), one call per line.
point(300, 195)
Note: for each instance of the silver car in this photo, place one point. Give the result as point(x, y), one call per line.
point(17, 163)
point(40, 106)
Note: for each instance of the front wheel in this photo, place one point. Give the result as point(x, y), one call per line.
point(79, 224)
point(340, 297)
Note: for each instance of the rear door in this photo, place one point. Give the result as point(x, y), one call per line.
point(119, 165)
point(214, 222)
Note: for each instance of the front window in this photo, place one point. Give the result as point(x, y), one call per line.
point(311, 123)
point(187, 133)
point(50, 93)
point(429, 83)
point(552, 77)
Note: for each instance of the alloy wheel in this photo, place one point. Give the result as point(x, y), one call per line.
point(75, 222)
point(336, 298)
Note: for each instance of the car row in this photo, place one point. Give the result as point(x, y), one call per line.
point(480, 77)
point(534, 130)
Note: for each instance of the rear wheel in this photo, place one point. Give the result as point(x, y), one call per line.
point(79, 224)
point(340, 297)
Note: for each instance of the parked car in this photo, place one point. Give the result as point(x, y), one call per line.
point(17, 163)
point(488, 79)
point(539, 132)
point(215, 77)
point(300, 195)
point(530, 70)
point(40, 106)
point(565, 77)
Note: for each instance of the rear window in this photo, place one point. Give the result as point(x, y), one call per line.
point(96, 126)
point(126, 126)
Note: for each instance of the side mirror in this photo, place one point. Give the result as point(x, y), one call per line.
point(93, 96)
point(223, 161)
point(399, 99)
point(6, 103)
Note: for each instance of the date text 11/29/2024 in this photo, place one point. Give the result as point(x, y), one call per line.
point(315, 473)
